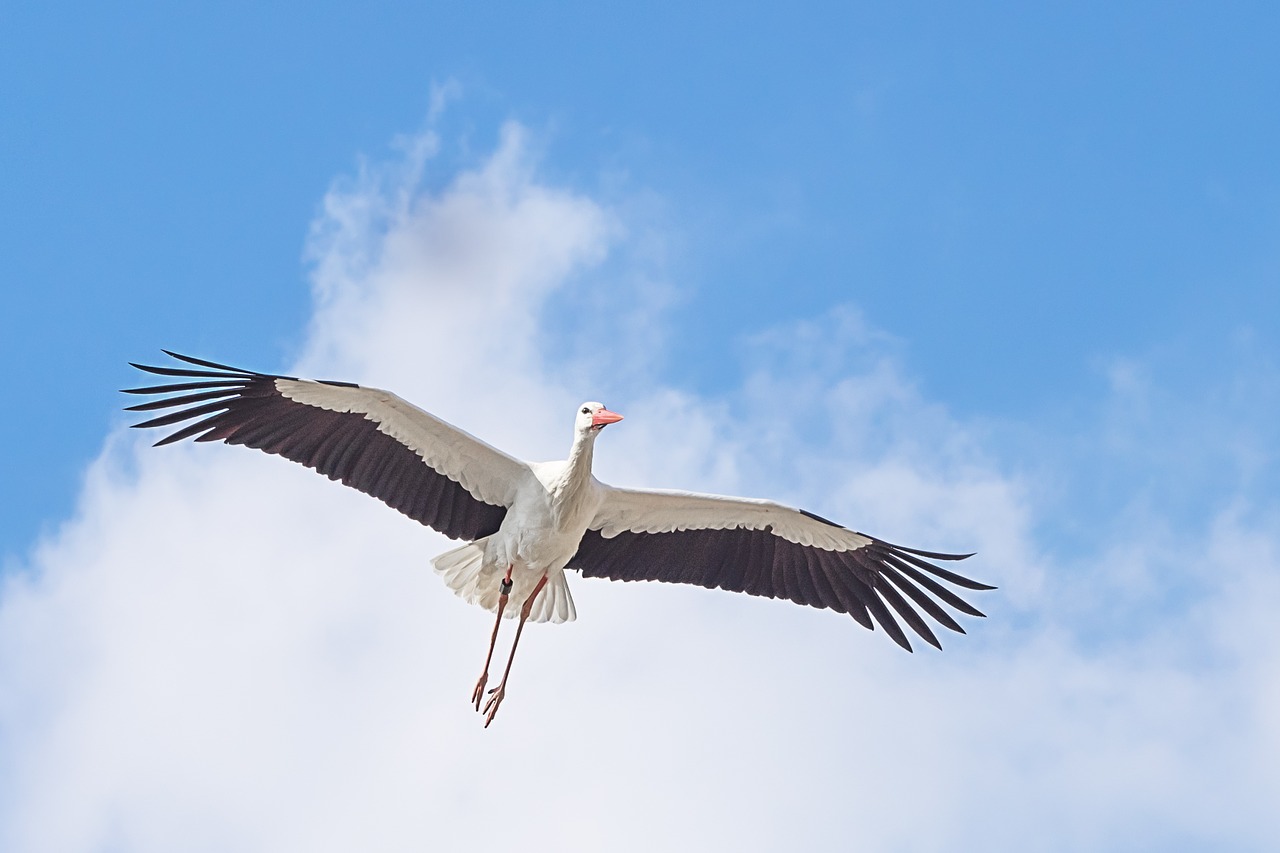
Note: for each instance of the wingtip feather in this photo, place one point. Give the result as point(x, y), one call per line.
point(204, 363)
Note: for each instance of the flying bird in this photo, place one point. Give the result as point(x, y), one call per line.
point(526, 523)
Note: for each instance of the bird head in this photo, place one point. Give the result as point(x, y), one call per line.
point(593, 417)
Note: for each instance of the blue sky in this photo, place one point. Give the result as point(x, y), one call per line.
point(1000, 276)
point(1068, 184)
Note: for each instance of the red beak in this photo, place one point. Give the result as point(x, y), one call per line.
point(604, 416)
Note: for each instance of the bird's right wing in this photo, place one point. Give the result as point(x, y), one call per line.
point(767, 549)
point(369, 439)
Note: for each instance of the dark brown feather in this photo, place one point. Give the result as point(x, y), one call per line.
point(868, 583)
point(182, 386)
point(181, 400)
point(344, 446)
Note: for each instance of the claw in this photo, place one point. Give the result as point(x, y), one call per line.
point(478, 693)
point(491, 707)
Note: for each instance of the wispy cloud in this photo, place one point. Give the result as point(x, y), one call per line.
point(223, 651)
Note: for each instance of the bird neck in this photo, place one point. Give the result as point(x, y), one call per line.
point(578, 465)
point(577, 468)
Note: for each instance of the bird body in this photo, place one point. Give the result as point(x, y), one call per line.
point(525, 523)
point(549, 514)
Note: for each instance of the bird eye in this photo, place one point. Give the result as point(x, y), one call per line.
point(585, 410)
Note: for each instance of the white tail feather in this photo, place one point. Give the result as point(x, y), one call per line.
point(464, 572)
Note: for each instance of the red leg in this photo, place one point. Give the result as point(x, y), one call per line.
point(491, 707)
point(478, 693)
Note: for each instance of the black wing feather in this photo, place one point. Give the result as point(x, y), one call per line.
point(248, 409)
point(868, 583)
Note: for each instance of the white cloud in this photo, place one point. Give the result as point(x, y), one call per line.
point(222, 651)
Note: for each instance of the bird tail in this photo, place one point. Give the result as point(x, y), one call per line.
point(464, 572)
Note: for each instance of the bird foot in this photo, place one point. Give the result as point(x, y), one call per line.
point(495, 699)
point(478, 693)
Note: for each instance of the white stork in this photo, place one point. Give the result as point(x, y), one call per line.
point(525, 523)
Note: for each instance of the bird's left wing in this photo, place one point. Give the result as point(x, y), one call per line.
point(369, 439)
point(767, 549)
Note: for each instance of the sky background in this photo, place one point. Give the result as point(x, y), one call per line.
point(986, 278)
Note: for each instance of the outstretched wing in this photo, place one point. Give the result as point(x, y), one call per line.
point(767, 549)
point(369, 439)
